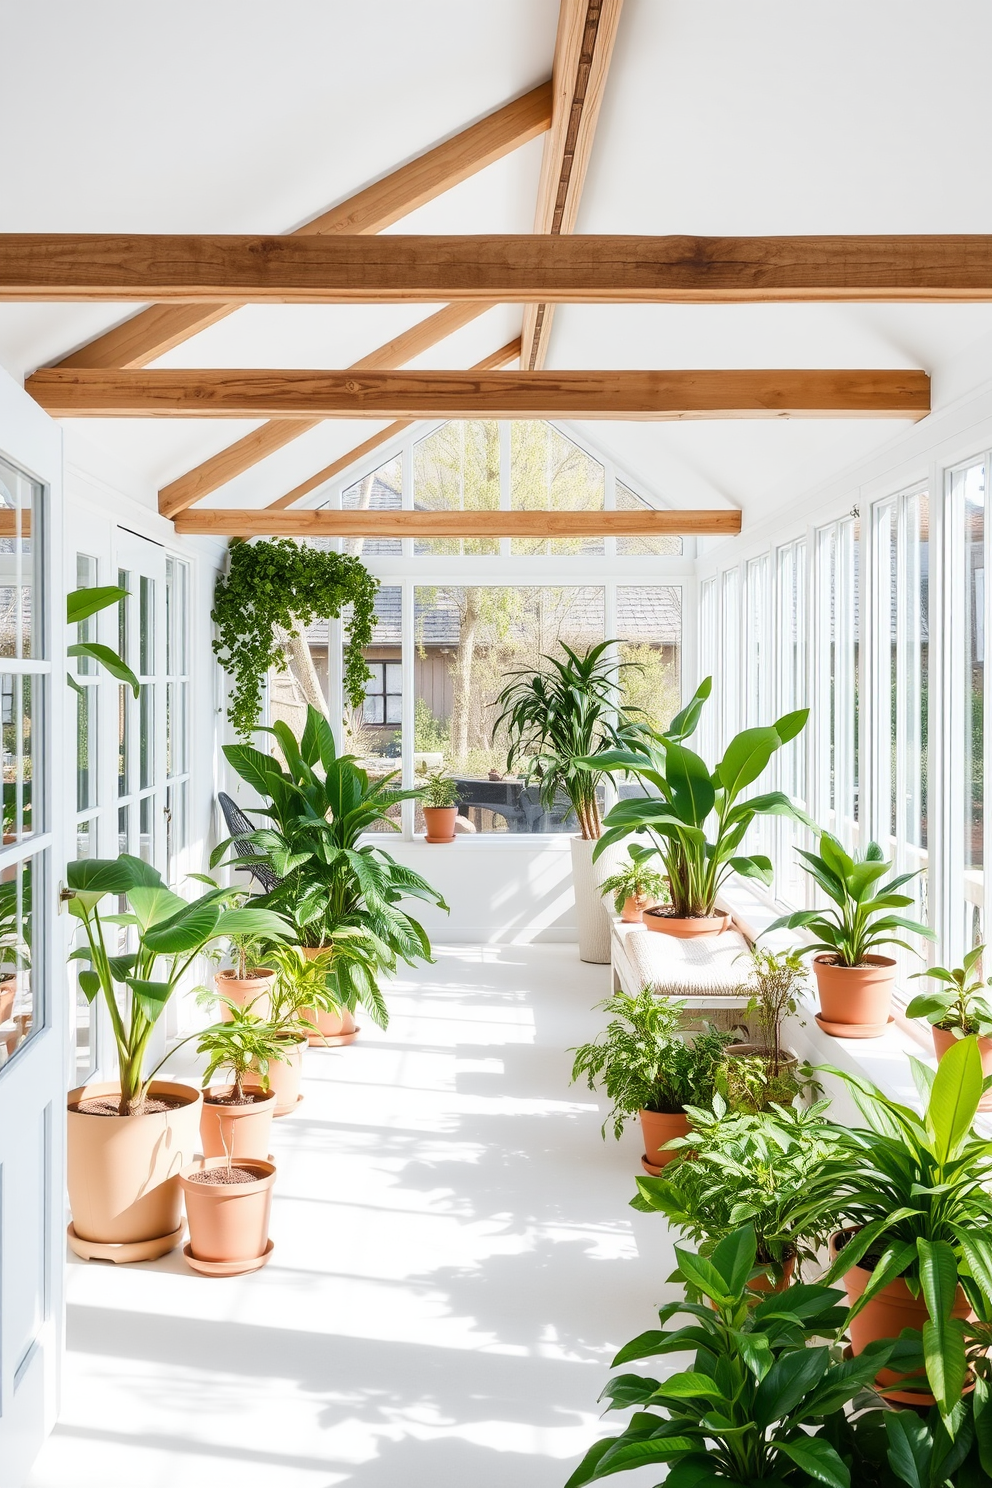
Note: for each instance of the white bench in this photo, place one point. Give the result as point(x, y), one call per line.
point(708, 972)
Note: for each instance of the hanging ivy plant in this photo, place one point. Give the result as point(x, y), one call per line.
point(281, 586)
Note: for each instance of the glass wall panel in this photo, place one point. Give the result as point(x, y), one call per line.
point(791, 761)
point(649, 629)
point(709, 664)
point(837, 720)
point(968, 499)
point(457, 468)
point(669, 544)
point(728, 677)
point(380, 490)
point(550, 473)
point(20, 508)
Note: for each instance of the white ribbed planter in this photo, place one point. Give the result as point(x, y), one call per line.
point(591, 910)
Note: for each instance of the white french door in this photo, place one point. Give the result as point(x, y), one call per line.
point(33, 1025)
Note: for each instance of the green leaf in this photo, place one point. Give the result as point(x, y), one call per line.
point(957, 1089)
point(757, 866)
point(791, 724)
point(817, 1458)
point(701, 1273)
point(746, 756)
point(688, 1386)
point(100, 875)
point(909, 1448)
point(791, 1377)
point(734, 1258)
point(150, 997)
point(80, 604)
point(89, 984)
point(689, 780)
point(108, 659)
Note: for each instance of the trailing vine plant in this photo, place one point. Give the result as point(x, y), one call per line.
point(273, 591)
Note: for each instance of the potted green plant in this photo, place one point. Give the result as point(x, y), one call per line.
point(916, 1247)
point(129, 1138)
point(650, 1067)
point(439, 798)
point(737, 1168)
point(958, 1009)
point(236, 1119)
point(756, 1403)
point(636, 886)
point(562, 720)
point(320, 804)
point(854, 981)
point(761, 1070)
point(683, 794)
point(301, 984)
point(228, 1206)
point(248, 983)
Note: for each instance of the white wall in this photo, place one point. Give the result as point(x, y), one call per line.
point(504, 891)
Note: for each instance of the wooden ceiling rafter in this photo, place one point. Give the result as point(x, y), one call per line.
point(263, 522)
point(603, 394)
point(161, 327)
point(583, 49)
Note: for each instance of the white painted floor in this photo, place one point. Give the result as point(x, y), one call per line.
point(455, 1264)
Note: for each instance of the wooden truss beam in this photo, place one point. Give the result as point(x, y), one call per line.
point(154, 331)
point(423, 524)
point(248, 451)
point(309, 395)
point(508, 353)
point(579, 269)
point(584, 45)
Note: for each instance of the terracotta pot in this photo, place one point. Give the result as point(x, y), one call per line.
point(242, 1131)
point(885, 1316)
point(123, 1171)
point(634, 907)
point(229, 1223)
point(660, 1127)
point(943, 1039)
point(253, 992)
point(8, 991)
point(686, 929)
point(440, 822)
point(767, 1283)
point(285, 1075)
point(338, 1027)
point(857, 997)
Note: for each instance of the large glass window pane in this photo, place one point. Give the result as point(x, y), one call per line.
point(374, 731)
point(381, 490)
point(469, 643)
point(550, 473)
point(668, 545)
point(457, 468)
point(649, 629)
point(17, 695)
point(20, 509)
point(146, 743)
point(968, 495)
point(790, 634)
point(146, 626)
point(757, 656)
point(730, 713)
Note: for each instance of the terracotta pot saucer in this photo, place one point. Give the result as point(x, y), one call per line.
point(136, 1250)
point(853, 1030)
point(227, 1268)
point(278, 1115)
point(331, 1040)
point(650, 1168)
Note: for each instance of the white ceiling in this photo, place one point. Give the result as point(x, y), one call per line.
point(719, 117)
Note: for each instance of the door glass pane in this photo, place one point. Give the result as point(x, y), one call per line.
point(146, 750)
point(146, 843)
point(19, 1017)
point(19, 556)
point(86, 747)
point(16, 701)
point(146, 626)
point(971, 489)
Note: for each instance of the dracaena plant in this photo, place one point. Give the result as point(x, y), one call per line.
point(696, 818)
point(319, 805)
point(755, 1403)
point(915, 1191)
point(862, 918)
point(959, 1005)
point(168, 934)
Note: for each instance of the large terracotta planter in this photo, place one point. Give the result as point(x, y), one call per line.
point(943, 1039)
point(440, 821)
point(855, 1001)
point(659, 1127)
point(285, 1075)
point(242, 1132)
point(123, 1173)
point(885, 1316)
point(685, 929)
point(253, 993)
point(228, 1223)
point(634, 907)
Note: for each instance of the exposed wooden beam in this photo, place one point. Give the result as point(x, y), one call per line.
point(324, 523)
point(581, 269)
point(153, 332)
point(253, 447)
point(232, 393)
point(587, 30)
point(508, 353)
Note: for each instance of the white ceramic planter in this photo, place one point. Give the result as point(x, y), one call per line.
point(591, 910)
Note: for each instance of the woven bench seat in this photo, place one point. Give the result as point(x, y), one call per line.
point(706, 973)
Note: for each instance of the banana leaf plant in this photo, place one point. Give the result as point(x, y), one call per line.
point(686, 797)
point(169, 934)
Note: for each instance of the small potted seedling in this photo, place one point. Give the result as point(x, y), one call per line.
point(237, 1117)
point(439, 797)
point(301, 985)
point(957, 1009)
point(636, 887)
point(248, 983)
point(762, 1070)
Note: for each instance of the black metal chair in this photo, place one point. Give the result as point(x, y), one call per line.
point(239, 826)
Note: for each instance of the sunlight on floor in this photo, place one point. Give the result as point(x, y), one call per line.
point(455, 1264)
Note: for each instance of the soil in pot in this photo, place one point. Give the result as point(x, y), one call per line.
point(123, 1171)
point(943, 1039)
point(228, 1215)
point(440, 822)
point(239, 1128)
point(662, 919)
point(285, 1075)
point(855, 998)
point(253, 992)
point(659, 1127)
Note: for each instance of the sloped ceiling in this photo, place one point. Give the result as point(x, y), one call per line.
point(719, 117)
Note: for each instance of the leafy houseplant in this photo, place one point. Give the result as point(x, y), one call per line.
point(915, 1193)
point(854, 982)
point(637, 886)
point(959, 1008)
point(648, 1068)
point(272, 592)
point(754, 1407)
point(237, 1119)
point(320, 804)
point(439, 797)
point(685, 795)
point(764, 1071)
point(737, 1168)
